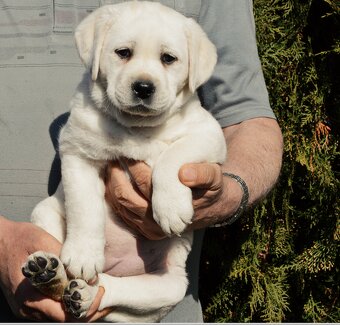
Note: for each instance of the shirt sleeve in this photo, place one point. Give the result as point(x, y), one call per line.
point(236, 91)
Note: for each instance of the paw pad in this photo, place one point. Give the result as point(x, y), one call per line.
point(40, 269)
point(78, 297)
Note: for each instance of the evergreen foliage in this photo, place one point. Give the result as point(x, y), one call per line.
point(281, 262)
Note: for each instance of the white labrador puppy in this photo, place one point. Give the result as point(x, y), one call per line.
point(137, 100)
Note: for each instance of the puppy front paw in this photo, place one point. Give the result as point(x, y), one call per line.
point(46, 272)
point(83, 259)
point(172, 209)
point(78, 297)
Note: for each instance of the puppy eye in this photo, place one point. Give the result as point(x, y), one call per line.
point(168, 59)
point(124, 53)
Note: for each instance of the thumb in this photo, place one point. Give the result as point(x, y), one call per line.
point(93, 314)
point(204, 175)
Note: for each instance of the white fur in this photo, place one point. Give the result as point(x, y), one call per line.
point(106, 123)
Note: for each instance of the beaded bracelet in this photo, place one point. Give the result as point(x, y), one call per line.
point(243, 205)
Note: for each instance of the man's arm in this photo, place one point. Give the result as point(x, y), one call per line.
point(254, 154)
point(17, 241)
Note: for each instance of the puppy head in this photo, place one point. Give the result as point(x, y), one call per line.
point(147, 58)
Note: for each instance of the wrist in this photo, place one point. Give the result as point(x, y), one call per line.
point(236, 200)
point(233, 196)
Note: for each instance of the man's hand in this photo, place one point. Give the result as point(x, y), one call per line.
point(17, 241)
point(214, 196)
point(132, 199)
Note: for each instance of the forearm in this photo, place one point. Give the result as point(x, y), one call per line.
point(255, 154)
point(5, 225)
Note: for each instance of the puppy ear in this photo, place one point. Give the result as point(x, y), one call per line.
point(202, 55)
point(90, 35)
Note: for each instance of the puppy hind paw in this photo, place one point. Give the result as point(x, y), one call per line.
point(46, 272)
point(40, 268)
point(78, 297)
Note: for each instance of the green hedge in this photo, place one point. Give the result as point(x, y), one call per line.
point(281, 262)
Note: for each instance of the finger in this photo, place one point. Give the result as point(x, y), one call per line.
point(114, 168)
point(52, 310)
point(129, 204)
point(140, 173)
point(100, 314)
point(32, 314)
point(204, 176)
point(32, 300)
point(120, 189)
point(93, 313)
point(135, 215)
point(146, 226)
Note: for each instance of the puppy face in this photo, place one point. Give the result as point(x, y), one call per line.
point(145, 64)
point(146, 59)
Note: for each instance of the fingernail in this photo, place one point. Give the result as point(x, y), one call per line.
point(189, 174)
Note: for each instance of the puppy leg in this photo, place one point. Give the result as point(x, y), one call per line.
point(46, 272)
point(49, 214)
point(146, 297)
point(171, 200)
point(83, 249)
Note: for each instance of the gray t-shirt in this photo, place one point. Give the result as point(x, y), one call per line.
point(40, 69)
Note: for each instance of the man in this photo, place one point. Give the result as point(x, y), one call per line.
point(39, 71)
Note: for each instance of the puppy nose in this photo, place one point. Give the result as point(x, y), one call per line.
point(143, 89)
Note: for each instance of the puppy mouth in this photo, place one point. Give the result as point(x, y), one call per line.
point(139, 110)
